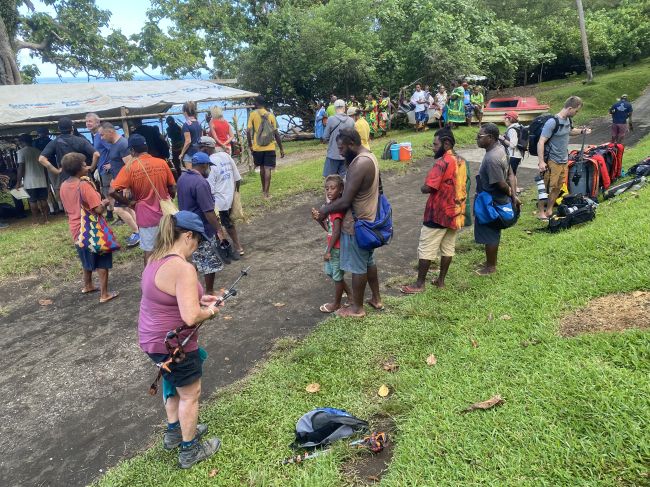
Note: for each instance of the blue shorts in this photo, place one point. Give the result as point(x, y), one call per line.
point(469, 111)
point(333, 266)
point(421, 116)
point(334, 166)
point(353, 258)
point(92, 262)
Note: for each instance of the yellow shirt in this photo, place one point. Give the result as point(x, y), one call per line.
point(364, 132)
point(254, 121)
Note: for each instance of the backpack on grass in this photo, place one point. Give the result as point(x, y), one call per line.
point(322, 426)
point(385, 155)
point(575, 209)
point(265, 132)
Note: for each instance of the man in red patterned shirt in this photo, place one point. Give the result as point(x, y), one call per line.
point(444, 213)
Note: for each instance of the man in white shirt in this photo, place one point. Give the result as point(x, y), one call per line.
point(421, 102)
point(224, 180)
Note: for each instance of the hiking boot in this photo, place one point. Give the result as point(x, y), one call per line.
point(197, 452)
point(133, 240)
point(173, 438)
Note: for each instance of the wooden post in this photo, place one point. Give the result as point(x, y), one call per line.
point(125, 126)
point(585, 45)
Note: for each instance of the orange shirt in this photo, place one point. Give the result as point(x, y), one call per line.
point(134, 178)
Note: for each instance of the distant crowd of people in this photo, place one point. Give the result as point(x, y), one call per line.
point(461, 105)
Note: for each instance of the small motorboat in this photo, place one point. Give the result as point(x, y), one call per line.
point(526, 107)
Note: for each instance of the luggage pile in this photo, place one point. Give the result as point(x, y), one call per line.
point(593, 168)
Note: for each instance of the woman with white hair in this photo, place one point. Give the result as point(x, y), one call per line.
point(220, 129)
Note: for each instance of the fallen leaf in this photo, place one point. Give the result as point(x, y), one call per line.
point(490, 317)
point(490, 403)
point(528, 232)
point(313, 388)
point(45, 302)
point(383, 391)
point(473, 342)
point(373, 478)
point(213, 472)
point(534, 341)
point(432, 360)
point(506, 318)
point(390, 366)
point(279, 305)
point(227, 317)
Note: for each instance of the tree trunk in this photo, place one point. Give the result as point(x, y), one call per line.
point(585, 45)
point(9, 72)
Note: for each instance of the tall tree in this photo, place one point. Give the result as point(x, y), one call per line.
point(585, 42)
point(70, 39)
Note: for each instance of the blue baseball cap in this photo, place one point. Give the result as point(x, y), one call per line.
point(137, 140)
point(188, 220)
point(200, 158)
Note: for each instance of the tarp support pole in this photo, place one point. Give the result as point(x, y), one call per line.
point(125, 126)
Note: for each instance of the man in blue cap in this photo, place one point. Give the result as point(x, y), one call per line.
point(195, 195)
point(148, 180)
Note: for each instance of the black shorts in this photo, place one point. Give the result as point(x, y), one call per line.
point(514, 164)
point(37, 194)
point(187, 372)
point(226, 221)
point(264, 158)
point(485, 234)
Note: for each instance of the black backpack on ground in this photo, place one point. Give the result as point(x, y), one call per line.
point(640, 169)
point(574, 209)
point(386, 154)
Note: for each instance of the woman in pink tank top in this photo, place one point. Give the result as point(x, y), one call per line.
point(171, 297)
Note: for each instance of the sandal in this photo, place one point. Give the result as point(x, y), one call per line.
point(93, 290)
point(324, 309)
point(410, 290)
point(347, 313)
point(110, 297)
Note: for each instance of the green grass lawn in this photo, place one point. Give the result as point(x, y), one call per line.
point(25, 248)
point(598, 96)
point(576, 410)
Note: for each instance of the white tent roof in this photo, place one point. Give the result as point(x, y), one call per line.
point(45, 102)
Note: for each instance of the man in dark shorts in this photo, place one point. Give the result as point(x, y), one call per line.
point(32, 177)
point(263, 155)
point(361, 193)
point(495, 176)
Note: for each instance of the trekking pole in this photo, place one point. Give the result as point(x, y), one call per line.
point(230, 292)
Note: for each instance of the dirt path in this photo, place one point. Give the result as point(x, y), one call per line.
point(75, 381)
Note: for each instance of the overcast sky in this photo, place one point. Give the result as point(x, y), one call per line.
point(127, 15)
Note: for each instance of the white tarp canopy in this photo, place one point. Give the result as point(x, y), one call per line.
point(46, 102)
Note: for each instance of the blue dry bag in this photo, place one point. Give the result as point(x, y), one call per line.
point(496, 215)
point(371, 235)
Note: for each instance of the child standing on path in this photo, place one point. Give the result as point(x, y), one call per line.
point(333, 191)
